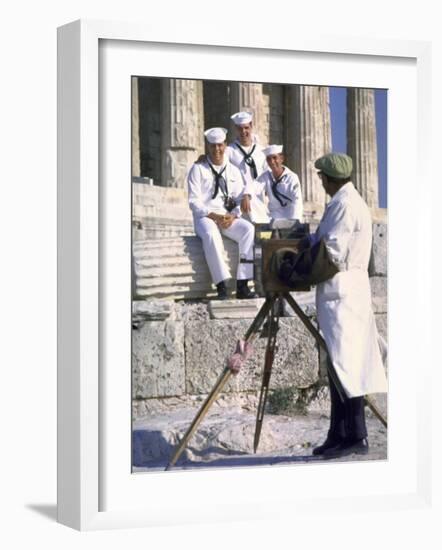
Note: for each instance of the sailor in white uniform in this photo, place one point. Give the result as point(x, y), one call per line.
point(246, 154)
point(344, 309)
point(215, 189)
point(281, 186)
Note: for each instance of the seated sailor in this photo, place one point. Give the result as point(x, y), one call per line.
point(280, 185)
point(246, 154)
point(215, 189)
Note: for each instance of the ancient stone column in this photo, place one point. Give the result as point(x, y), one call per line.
point(308, 137)
point(136, 168)
point(361, 142)
point(182, 138)
point(246, 96)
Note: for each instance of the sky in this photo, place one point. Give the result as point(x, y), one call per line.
point(338, 108)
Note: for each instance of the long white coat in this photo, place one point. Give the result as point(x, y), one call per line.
point(343, 303)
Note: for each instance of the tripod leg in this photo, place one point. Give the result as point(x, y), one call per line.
point(268, 363)
point(374, 409)
point(221, 382)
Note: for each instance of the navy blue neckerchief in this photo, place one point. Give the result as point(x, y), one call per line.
point(249, 160)
point(218, 178)
point(278, 195)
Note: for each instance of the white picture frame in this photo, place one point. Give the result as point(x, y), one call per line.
point(82, 297)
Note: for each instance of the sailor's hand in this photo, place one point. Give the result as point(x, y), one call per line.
point(245, 204)
point(226, 221)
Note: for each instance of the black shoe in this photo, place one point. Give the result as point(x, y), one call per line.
point(329, 443)
point(346, 448)
point(222, 291)
point(243, 292)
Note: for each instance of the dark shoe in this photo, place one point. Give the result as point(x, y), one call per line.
point(221, 290)
point(243, 292)
point(329, 443)
point(346, 448)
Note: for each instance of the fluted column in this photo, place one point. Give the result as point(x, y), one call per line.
point(361, 143)
point(308, 138)
point(246, 96)
point(182, 138)
point(136, 167)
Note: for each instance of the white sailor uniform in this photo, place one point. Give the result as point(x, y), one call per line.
point(206, 196)
point(284, 194)
point(251, 162)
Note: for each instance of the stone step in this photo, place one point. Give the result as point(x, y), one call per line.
point(176, 268)
point(174, 212)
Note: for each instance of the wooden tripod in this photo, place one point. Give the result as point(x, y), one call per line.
point(270, 310)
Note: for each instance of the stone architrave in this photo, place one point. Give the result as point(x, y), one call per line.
point(308, 138)
point(247, 96)
point(136, 166)
point(182, 138)
point(361, 142)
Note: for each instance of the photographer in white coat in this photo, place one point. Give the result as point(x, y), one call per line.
point(215, 189)
point(281, 186)
point(344, 309)
point(247, 155)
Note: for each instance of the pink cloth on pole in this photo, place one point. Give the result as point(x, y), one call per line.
point(242, 353)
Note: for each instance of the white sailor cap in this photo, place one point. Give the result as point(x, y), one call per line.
point(216, 135)
point(242, 118)
point(272, 150)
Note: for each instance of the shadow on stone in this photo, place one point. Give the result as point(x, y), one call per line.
point(150, 448)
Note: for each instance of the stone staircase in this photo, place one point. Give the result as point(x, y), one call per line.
point(175, 268)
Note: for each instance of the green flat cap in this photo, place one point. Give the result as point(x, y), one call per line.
point(335, 165)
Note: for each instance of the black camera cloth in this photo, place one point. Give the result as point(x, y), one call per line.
point(310, 266)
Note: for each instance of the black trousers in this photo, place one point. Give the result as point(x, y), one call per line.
point(347, 419)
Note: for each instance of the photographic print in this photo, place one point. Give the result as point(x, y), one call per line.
point(259, 274)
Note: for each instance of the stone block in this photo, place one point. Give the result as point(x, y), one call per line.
point(379, 294)
point(379, 259)
point(209, 344)
point(235, 309)
point(158, 359)
point(153, 310)
point(193, 311)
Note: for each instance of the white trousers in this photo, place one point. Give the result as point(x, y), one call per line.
point(241, 231)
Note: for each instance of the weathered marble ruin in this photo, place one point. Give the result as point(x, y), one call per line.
point(245, 96)
point(136, 168)
point(159, 212)
point(182, 139)
point(361, 142)
point(308, 137)
point(182, 339)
